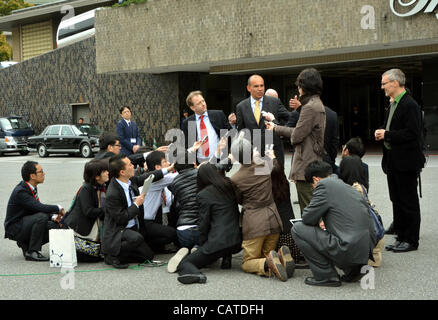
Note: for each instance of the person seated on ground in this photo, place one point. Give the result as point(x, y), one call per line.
point(281, 194)
point(110, 145)
point(219, 231)
point(355, 147)
point(261, 222)
point(353, 173)
point(157, 234)
point(28, 221)
point(336, 230)
point(87, 214)
point(122, 241)
point(184, 189)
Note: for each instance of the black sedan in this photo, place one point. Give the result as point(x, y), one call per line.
point(66, 138)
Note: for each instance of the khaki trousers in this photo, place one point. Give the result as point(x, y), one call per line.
point(377, 254)
point(255, 252)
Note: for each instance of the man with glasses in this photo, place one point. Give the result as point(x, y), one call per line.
point(28, 221)
point(402, 159)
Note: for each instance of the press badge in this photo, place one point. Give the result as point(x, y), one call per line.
point(133, 140)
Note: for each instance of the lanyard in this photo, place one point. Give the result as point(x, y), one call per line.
point(30, 188)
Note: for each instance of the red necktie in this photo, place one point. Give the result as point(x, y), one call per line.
point(205, 148)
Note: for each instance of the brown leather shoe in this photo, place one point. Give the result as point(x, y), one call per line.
point(275, 265)
point(287, 261)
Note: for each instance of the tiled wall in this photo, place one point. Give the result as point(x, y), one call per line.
point(42, 89)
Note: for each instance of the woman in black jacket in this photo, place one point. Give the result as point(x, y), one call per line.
point(219, 229)
point(89, 204)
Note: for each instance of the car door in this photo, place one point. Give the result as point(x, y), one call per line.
point(51, 138)
point(67, 138)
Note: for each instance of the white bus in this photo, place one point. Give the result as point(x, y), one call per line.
point(75, 29)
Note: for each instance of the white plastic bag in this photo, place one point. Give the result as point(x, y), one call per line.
point(62, 248)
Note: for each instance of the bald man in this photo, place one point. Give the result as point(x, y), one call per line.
point(249, 113)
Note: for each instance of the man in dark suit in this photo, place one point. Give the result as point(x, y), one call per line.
point(28, 221)
point(331, 137)
point(402, 159)
point(122, 240)
point(249, 114)
point(203, 123)
point(127, 131)
point(336, 229)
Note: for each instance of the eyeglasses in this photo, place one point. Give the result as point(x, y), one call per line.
point(385, 83)
point(118, 145)
point(41, 171)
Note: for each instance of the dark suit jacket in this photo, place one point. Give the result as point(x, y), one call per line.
point(218, 221)
point(217, 119)
point(350, 235)
point(245, 119)
point(331, 136)
point(22, 203)
point(125, 134)
point(405, 138)
point(85, 211)
point(118, 214)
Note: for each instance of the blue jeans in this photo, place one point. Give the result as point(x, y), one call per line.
point(188, 238)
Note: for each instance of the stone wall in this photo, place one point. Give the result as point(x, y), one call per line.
point(42, 89)
point(183, 35)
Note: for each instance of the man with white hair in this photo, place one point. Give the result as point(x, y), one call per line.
point(402, 159)
point(271, 93)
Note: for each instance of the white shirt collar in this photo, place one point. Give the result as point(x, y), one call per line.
point(205, 114)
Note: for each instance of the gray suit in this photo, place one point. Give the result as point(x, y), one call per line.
point(350, 236)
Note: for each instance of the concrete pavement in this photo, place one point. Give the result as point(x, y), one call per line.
point(408, 276)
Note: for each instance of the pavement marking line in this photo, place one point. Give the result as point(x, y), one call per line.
point(50, 273)
point(140, 266)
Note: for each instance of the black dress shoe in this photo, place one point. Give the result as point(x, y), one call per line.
point(404, 247)
point(113, 261)
point(35, 256)
point(390, 230)
point(226, 262)
point(391, 247)
point(331, 282)
point(353, 275)
point(192, 278)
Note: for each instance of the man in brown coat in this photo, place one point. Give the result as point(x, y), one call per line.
point(308, 135)
point(261, 224)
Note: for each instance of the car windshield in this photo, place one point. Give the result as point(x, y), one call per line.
point(14, 123)
point(89, 129)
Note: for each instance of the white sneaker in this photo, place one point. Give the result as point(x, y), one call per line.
point(176, 259)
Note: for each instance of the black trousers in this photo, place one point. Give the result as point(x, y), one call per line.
point(197, 260)
point(35, 231)
point(134, 248)
point(157, 235)
point(406, 205)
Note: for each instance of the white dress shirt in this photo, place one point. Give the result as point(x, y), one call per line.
point(213, 139)
point(153, 200)
point(125, 187)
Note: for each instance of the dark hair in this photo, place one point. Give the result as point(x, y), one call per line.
point(280, 184)
point(154, 159)
point(94, 168)
point(310, 81)
point(107, 139)
point(28, 168)
point(123, 108)
point(116, 164)
point(355, 147)
point(351, 170)
point(209, 175)
point(317, 168)
point(180, 166)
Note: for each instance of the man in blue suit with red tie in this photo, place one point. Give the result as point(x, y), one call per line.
point(127, 131)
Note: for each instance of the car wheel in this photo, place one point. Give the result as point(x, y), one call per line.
point(42, 151)
point(24, 153)
point(86, 150)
